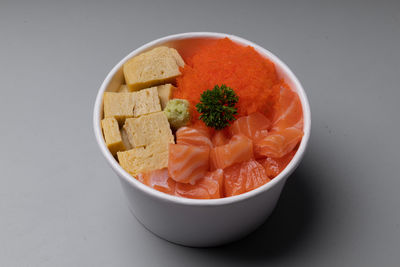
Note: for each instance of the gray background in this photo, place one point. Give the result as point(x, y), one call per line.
point(60, 203)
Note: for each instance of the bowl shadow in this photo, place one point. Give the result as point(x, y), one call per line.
point(285, 230)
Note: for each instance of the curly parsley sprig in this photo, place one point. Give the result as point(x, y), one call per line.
point(217, 106)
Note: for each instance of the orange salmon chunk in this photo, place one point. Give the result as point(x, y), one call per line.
point(187, 164)
point(273, 167)
point(220, 138)
point(239, 149)
point(249, 125)
point(289, 112)
point(208, 187)
point(277, 144)
point(159, 180)
point(244, 177)
point(192, 136)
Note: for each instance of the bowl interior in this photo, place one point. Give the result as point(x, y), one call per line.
point(187, 44)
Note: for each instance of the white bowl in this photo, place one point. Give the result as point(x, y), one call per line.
point(194, 222)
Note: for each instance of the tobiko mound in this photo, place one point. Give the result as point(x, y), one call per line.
point(237, 125)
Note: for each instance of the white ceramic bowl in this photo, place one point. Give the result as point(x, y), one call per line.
point(194, 222)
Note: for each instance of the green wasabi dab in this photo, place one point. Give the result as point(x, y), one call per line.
point(177, 112)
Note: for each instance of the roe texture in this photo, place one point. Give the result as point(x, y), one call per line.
point(251, 76)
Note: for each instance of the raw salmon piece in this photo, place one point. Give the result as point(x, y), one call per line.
point(239, 149)
point(278, 143)
point(159, 180)
point(192, 136)
point(220, 138)
point(273, 167)
point(201, 127)
point(233, 182)
point(187, 164)
point(244, 177)
point(249, 125)
point(289, 112)
point(208, 187)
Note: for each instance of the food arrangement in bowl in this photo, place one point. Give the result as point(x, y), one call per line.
point(203, 130)
point(214, 123)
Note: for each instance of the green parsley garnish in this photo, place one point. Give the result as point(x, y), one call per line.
point(217, 106)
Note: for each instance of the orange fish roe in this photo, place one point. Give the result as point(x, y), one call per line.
point(252, 77)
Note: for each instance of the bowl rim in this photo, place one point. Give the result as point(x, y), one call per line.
point(203, 202)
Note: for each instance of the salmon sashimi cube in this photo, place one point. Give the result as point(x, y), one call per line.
point(208, 187)
point(159, 180)
point(289, 112)
point(274, 166)
point(276, 144)
point(201, 127)
point(192, 136)
point(239, 149)
point(220, 137)
point(187, 164)
point(249, 125)
point(244, 177)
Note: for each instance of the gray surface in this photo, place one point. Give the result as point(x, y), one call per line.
point(60, 203)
